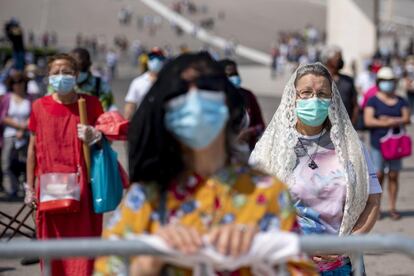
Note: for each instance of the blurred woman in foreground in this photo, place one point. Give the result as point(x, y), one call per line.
point(187, 182)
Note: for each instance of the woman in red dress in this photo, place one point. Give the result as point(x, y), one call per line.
point(56, 147)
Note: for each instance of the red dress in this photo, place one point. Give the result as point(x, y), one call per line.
point(58, 149)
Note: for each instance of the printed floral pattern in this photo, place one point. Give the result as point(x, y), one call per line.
point(232, 196)
point(135, 198)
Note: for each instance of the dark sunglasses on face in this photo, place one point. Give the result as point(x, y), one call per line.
point(17, 81)
point(211, 83)
point(151, 56)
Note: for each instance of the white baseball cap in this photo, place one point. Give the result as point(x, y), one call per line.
point(385, 73)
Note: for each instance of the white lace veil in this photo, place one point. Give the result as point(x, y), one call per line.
point(274, 153)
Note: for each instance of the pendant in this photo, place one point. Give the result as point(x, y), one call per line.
point(312, 165)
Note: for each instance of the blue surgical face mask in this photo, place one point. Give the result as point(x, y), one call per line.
point(387, 86)
point(312, 112)
point(155, 65)
point(62, 84)
point(82, 76)
point(197, 118)
point(235, 80)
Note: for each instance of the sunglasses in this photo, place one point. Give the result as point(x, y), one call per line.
point(18, 81)
point(151, 56)
point(211, 83)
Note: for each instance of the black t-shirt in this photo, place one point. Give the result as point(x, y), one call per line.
point(348, 92)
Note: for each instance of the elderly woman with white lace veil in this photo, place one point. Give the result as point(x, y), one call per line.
point(312, 146)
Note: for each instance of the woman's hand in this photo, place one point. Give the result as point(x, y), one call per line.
point(29, 195)
point(19, 134)
point(24, 125)
point(88, 134)
point(232, 239)
point(146, 266)
point(181, 238)
point(391, 121)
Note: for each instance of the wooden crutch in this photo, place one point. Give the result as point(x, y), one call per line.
point(84, 120)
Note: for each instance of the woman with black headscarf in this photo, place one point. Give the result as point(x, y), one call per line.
point(187, 181)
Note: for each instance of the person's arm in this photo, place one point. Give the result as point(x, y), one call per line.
point(406, 115)
point(30, 172)
point(383, 121)
point(31, 161)
point(355, 111)
point(131, 100)
point(8, 121)
point(133, 216)
point(129, 110)
point(369, 216)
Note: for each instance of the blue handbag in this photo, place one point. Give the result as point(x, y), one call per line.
point(106, 179)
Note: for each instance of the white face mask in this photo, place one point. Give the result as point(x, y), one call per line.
point(155, 65)
point(62, 84)
point(197, 117)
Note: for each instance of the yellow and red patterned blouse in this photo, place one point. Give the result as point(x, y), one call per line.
point(236, 194)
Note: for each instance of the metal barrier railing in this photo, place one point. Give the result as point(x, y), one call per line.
point(57, 249)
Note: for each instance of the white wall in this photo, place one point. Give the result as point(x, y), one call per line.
point(350, 25)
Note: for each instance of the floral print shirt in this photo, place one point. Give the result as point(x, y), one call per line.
point(236, 194)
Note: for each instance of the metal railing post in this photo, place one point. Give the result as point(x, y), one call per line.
point(127, 263)
point(48, 250)
point(359, 265)
point(282, 271)
point(47, 267)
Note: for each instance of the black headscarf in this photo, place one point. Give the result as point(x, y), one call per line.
point(154, 154)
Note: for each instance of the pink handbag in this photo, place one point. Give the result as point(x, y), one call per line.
point(395, 146)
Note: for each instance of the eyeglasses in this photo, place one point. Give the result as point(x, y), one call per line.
point(307, 94)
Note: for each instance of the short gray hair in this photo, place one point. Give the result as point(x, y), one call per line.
point(329, 52)
point(316, 68)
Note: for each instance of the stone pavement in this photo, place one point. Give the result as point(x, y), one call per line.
point(269, 91)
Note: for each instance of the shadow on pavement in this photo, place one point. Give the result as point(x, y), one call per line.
point(6, 269)
point(408, 169)
point(405, 213)
point(14, 199)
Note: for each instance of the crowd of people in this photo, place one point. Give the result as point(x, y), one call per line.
point(204, 169)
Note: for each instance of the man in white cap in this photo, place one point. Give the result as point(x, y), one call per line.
point(385, 74)
point(141, 85)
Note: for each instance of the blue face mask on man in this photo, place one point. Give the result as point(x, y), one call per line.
point(387, 86)
point(155, 64)
point(235, 80)
point(312, 112)
point(62, 84)
point(197, 117)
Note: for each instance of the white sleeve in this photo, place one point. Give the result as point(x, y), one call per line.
point(374, 185)
point(133, 93)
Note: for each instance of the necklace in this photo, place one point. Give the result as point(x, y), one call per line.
point(312, 164)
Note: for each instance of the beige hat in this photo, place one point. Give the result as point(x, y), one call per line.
point(31, 68)
point(386, 73)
